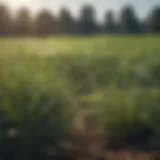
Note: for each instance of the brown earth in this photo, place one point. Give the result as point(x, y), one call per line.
point(91, 144)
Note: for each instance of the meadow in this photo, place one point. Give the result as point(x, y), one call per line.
point(128, 45)
point(45, 83)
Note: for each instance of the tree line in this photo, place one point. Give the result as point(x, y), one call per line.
point(45, 23)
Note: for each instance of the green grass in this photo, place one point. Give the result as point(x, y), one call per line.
point(97, 44)
point(45, 81)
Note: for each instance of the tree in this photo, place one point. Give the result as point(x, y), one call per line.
point(44, 23)
point(22, 24)
point(144, 26)
point(66, 23)
point(154, 20)
point(5, 20)
point(87, 21)
point(129, 23)
point(109, 22)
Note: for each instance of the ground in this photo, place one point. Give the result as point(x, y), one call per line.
point(32, 71)
point(127, 45)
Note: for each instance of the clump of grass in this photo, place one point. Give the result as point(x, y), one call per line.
point(35, 107)
point(129, 116)
point(124, 91)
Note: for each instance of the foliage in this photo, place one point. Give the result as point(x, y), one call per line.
point(87, 20)
point(128, 21)
point(35, 108)
point(22, 23)
point(5, 20)
point(110, 25)
point(45, 23)
point(127, 115)
point(117, 77)
point(154, 20)
point(66, 23)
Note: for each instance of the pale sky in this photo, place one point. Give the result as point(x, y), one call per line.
point(142, 6)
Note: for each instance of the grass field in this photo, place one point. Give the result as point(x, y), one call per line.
point(45, 83)
point(97, 44)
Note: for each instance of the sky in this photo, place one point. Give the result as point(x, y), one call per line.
point(142, 6)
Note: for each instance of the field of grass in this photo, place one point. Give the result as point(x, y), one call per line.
point(128, 45)
point(45, 83)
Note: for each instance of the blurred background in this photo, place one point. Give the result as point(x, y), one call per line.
point(43, 18)
point(79, 80)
